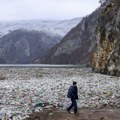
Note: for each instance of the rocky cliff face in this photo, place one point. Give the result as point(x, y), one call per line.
point(106, 58)
point(77, 45)
point(22, 46)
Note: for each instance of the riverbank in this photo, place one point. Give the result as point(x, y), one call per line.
point(84, 114)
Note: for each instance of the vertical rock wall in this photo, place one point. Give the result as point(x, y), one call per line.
point(106, 58)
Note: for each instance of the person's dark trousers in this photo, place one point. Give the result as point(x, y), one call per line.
point(74, 104)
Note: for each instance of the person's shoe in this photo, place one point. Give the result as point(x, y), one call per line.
point(77, 113)
point(68, 111)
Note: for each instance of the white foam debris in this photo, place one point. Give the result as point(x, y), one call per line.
point(47, 88)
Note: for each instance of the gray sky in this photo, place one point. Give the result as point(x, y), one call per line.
point(45, 9)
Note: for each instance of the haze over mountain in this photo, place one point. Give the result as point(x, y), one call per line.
point(24, 41)
point(52, 27)
point(45, 9)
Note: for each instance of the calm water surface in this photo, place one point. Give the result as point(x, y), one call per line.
point(38, 66)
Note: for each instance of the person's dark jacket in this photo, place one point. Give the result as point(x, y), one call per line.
point(74, 93)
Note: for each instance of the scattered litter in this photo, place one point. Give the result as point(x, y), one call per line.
point(19, 98)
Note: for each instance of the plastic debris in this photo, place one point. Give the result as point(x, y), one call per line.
point(20, 97)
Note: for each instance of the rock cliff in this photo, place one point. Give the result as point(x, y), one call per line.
point(106, 58)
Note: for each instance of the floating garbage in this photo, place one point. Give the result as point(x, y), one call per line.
point(19, 97)
point(38, 105)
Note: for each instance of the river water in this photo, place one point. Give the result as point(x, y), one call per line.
point(39, 66)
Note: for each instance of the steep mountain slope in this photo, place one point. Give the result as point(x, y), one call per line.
point(2, 61)
point(106, 58)
point(22, 46)
point(58, 27)
point(77, 45)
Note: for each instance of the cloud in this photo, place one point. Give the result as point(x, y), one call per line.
point(46, 9)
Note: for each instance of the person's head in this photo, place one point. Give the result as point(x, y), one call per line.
point(74, 83)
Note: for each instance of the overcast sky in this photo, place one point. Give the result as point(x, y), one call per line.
point(45, 9)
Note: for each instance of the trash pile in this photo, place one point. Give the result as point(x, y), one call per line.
point(19, 98)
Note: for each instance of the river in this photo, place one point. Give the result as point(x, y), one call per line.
point(39, 66)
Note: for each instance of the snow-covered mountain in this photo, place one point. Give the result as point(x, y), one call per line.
point(25, 41)
point(52, 27)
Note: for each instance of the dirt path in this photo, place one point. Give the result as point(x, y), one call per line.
point(102, 114)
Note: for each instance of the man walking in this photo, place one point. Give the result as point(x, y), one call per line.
point(73, 95)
